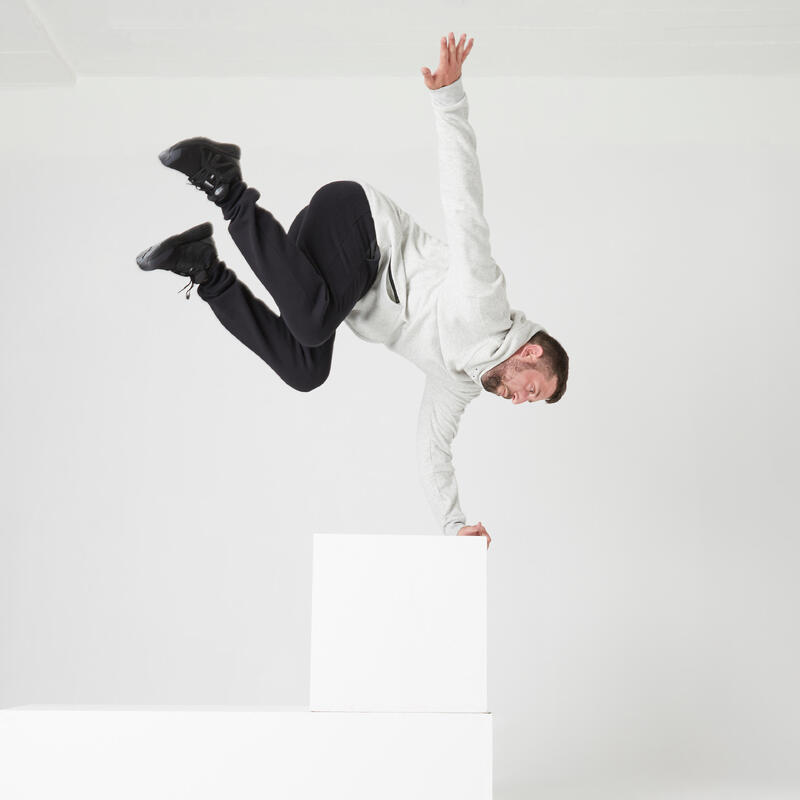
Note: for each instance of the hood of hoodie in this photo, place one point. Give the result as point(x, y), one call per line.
point(494, 352)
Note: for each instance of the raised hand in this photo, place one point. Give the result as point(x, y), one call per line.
point(451, 57)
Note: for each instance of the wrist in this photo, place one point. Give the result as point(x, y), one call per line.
point(449, 94)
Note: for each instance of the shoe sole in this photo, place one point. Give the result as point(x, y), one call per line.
point(169, 156)
point(147, 258)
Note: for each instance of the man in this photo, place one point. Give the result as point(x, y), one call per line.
point(353, 255)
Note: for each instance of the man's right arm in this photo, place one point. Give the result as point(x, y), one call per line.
point(439, 416)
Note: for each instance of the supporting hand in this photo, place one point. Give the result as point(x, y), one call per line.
point(475, 530)
point(451, 57)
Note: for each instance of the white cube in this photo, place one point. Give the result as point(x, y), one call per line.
point(247, 754)
point(398, 623)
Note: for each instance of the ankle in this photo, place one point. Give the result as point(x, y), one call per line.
point(235, 191)
point(220, 279)
point(208, 274)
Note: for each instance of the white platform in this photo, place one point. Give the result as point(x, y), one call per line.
point(398, 623)
point(98, 753)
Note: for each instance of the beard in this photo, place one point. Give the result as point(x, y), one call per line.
point(496, 375)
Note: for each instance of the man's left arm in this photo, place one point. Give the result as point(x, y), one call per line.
point(472, 271)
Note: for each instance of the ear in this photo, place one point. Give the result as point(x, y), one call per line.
point(534, 350)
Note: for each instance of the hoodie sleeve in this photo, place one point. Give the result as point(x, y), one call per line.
point(472, 271)
point(439, 416)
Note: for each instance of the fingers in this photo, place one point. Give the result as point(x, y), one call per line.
point(476, 530)
point(453, 52)
point(467, 50)
point(485, 533)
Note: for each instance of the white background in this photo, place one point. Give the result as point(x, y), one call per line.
point(160, 485)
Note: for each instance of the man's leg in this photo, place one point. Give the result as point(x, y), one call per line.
point(254, 324)
point(316, 273)
point(319, 270)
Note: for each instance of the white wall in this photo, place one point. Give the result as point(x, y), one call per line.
point(160, 485)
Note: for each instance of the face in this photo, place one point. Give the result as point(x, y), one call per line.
point(517, 379)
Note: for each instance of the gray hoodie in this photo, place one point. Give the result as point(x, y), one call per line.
point(442, 305)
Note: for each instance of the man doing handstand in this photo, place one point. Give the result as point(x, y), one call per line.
point(353, 255)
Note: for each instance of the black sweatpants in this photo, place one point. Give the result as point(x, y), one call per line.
point(316, 274)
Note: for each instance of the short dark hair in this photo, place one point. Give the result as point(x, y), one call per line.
point(556, 362)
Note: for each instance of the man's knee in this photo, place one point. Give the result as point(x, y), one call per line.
point(311, 382)
point(313, 377)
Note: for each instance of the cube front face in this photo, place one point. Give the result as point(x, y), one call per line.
point(398, 623)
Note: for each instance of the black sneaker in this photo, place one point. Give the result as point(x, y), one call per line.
point(192, 254)
point(210, 166)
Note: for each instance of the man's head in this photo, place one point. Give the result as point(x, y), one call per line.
point(537, 371)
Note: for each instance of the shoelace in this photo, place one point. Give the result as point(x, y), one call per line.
point(190, 285)
point(202, 180)
point(204, 177)
point(204, 276)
